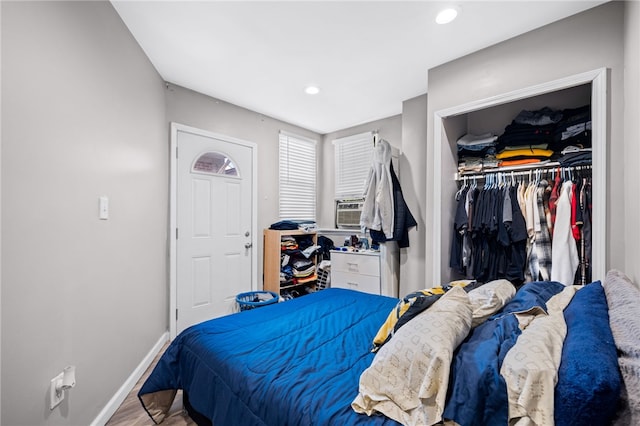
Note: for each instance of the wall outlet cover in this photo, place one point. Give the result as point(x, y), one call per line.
point(55, 397)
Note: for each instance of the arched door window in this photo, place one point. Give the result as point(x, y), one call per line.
point(215, 163)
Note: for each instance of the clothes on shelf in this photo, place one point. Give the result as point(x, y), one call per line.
point(541, 117)
point(574, 129)
point(535, 227)
point(532, 137)
point(477, 152)
point(575, 157)
point(296, 263)
point(524, 153)
point(287, 225)
point(471, 145)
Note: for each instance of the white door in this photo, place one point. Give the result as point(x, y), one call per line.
point(214, 224)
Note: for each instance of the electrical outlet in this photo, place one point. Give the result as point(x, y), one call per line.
point(56, 396)
point(103, 208)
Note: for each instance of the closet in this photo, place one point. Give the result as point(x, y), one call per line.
point(492, 115)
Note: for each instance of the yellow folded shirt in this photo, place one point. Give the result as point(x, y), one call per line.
point(525, 152)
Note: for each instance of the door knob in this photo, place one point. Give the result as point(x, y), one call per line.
point(247, 245)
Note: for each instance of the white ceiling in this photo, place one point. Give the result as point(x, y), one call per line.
point(367, 57)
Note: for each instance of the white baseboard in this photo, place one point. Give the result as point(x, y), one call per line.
point(122, 393)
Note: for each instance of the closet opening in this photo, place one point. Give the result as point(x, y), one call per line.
point(490, 117)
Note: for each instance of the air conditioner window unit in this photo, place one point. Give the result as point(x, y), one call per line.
point(348, 213)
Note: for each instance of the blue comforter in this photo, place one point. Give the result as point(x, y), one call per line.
point(293, 363)
point(299, 362)
point(478, 393)
point(588, 385)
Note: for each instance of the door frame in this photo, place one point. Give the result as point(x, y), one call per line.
point(599, 80)
point(173, 211)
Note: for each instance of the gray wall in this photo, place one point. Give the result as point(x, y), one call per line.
point(631, 137)
point(83, 115)
point(0, 215)
point(194, 109)
point(413, 178)
point(584, 42)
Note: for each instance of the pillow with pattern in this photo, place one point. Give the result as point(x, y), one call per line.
point(489, 298)
point(623, 298)
point(408, 378)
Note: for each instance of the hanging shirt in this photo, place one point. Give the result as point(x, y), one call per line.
point(576, 214)
point(543, 240)
point(516, 251)
point(564, 251)
point(522, 188)
point(531, 208)
point(377, 210)
point(467, 242)
point(460, 225)
point(553, 198)
point(403, 220)
point(545, 203)
point(585, 205)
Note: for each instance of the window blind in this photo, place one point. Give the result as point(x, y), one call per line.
point(353, 156)
point(297, 177)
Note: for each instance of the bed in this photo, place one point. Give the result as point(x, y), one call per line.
point(465, 359)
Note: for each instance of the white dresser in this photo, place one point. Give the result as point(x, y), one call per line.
point(368, 271)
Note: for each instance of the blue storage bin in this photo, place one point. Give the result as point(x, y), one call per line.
point(256, 299)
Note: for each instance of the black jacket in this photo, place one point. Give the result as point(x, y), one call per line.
point(403, 220)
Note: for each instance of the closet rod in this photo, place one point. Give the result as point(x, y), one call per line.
point(520, 170)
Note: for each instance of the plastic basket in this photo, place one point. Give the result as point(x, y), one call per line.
point(255, 299)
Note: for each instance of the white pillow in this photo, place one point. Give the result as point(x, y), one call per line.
point(489, 298)
point(408, 378)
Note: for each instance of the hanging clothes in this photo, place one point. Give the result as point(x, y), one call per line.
point(524, 231)
point(467, 262)
point(377, 210)
point(585, 205)
point(516, 250)
point(564, 251)
point(553, 199)
point(543, 239)
point(460, 230)
point(533, 271)
point(403, 220)
point(385, 211)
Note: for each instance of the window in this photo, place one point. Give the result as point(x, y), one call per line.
point(297, 183)
point(353, 157)
point(215, 163)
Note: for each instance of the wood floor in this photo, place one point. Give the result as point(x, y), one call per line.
point(131, 413)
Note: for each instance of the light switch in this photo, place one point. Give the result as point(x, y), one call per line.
point(55, 396)
point(104, 208)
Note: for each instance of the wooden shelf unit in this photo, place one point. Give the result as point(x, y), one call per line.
point(273, 259)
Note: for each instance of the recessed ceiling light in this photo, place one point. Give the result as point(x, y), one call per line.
point(312, 90)
point(447, 15)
